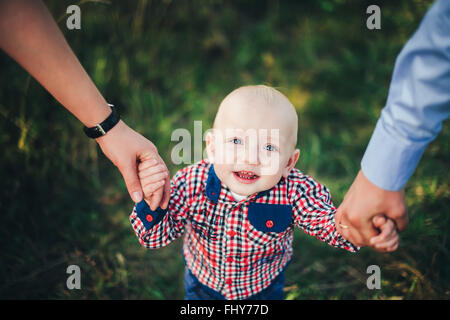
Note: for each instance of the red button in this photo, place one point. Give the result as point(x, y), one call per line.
point(230, 259)
point(228, 281)
point(149, 218)
point(269, 223)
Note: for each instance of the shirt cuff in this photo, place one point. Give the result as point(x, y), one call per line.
point(389, 160)
point(148, 217)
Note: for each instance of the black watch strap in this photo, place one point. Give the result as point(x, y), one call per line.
point(102, 128)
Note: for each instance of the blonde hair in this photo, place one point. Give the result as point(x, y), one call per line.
point(263, 95)
point(270, 95)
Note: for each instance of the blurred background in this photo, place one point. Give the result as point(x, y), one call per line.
point(168, 63)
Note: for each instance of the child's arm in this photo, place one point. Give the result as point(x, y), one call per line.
point(158, 228)
point(314, 213)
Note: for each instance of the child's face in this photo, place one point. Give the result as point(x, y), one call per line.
point(252, 145)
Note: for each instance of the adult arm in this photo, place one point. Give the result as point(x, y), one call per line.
point(29, 35)
point(417, 104)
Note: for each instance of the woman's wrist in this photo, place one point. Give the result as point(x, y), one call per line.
point(102, 128)
point(95, 115)
point(120, 126)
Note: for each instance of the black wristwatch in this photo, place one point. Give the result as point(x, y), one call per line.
point(102, 128)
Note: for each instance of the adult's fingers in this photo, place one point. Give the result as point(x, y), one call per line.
point(155, 199)
point(164, 201)
point(402, 222)
point(399, 214)
point(347, 229)
point(132, 182)
point(166, 197)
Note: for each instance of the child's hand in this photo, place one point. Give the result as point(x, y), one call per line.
point(387, 240)
point(152, 177)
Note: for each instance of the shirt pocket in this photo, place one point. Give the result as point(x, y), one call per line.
point(267, 222)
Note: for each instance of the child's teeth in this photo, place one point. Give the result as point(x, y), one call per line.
point(246, 175)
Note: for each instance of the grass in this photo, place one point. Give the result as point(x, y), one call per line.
point(167, 64)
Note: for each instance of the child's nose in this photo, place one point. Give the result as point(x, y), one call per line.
point(252, 155)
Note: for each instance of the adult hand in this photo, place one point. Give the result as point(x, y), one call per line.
point(126, 148)
point(361, 204)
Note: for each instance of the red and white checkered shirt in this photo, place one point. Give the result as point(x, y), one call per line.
point(237, 248)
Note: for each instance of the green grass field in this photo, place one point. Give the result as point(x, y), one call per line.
point(169, 63)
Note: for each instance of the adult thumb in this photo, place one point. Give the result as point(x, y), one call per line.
point(129, 174)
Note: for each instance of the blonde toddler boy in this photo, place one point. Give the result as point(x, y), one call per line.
point(239, 207)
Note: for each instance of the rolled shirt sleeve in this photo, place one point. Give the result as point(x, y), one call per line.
point(418, 102)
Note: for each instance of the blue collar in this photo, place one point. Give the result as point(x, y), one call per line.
point(214, 186)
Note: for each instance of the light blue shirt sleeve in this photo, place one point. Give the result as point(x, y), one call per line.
point(418, 102)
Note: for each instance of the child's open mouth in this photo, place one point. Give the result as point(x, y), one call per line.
point(245, 176)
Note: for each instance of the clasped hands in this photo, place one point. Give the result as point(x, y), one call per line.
point(127, 149)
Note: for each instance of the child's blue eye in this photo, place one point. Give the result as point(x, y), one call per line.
point(236, 141)
point(270, 147)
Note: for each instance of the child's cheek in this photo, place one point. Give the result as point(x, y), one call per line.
point(270, 165)
point(268, 181)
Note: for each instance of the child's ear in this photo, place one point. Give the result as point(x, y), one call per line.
point(291, 163)
point(210, 145)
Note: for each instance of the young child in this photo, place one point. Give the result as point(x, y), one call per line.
point(238, 209)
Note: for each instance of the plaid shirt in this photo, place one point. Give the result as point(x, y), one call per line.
point(237, 248)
